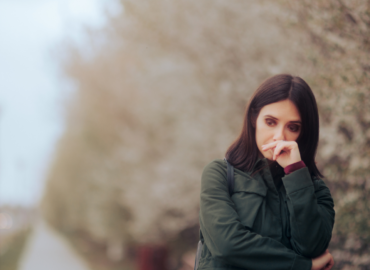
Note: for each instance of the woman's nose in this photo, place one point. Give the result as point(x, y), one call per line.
point(279, 135)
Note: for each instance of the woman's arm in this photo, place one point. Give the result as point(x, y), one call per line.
point(311, 210)
point(226, 237)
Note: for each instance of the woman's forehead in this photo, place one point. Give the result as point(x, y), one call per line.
point(282, 110)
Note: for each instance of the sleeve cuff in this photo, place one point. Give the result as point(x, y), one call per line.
point(293, 167)
point(297, 180)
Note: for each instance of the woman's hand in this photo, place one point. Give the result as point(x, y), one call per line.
point(284, 152)
point(323, 262)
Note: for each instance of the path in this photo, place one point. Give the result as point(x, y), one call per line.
point(47, 250)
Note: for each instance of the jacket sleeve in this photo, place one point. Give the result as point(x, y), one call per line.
point(226, 237)
point(311, 210)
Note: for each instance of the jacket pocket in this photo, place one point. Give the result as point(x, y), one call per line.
point(249, 195)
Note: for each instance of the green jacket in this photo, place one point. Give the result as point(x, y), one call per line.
point(266, 224)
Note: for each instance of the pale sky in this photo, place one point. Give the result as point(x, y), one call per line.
point(31, 88)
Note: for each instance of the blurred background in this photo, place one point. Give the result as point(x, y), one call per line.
point(109, 110)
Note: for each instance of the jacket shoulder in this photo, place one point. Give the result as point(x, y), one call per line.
point(214, 172)
point(216, 164)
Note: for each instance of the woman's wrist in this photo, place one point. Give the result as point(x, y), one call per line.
point(294, 166)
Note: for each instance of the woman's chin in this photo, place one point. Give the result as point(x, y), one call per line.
point(268, 157)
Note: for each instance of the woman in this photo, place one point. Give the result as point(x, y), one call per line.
point(280, 215)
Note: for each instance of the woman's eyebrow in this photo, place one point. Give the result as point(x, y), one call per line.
point(296, 121)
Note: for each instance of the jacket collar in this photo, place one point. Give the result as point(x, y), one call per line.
point(272, 171)
point(263, 162)
point(260, 162)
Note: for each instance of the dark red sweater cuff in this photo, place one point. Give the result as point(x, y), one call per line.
point(293, 167)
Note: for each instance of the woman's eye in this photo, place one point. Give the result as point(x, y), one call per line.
point(269, 122)
point(294, 128)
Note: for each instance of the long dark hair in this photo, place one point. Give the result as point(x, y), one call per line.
point(243, 152)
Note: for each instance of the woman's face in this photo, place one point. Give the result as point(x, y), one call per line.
point(277, 121)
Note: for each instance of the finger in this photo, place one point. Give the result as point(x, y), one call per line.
point(269, 145)
point(277, 151)
point(330, 264)
point(272, 145)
